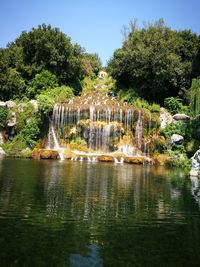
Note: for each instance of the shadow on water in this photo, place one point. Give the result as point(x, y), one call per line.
point(55, 213)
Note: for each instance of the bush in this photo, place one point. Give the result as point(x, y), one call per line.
point(15, 147)
point(174, 105)
point(31, 132)
point(60, 94)
point(45, 104)
point(41, 82)
point(174, 128)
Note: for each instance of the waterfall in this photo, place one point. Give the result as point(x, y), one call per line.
point(138, 130)
point(52, 141)
point(101, 122)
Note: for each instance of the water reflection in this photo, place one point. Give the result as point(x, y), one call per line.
point(85, 214)
point(195, 188)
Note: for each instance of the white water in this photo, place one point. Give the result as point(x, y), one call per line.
point(56, 144)
point(119, 161)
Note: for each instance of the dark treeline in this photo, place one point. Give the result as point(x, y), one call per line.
point(156, 62)
point(48, 52)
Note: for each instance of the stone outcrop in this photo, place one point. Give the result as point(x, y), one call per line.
point(106, 158)
point(165, 118)
point(135, 160)
point(12, 120)
point(176, 139)
point(34, 103)
point(181, 117)
point(45, 154)
point(195, 171)
point(2, 104)
point(10, 104)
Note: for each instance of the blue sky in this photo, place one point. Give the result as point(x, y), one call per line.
point(95, 25)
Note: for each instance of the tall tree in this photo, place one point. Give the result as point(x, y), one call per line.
point(155, 61)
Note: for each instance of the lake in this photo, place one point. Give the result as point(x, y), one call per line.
point(81, 214)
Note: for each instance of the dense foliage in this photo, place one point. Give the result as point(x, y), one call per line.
point(156, 61)
point(195, 96)
point(40, 59)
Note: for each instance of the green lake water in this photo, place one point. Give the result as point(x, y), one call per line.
point(78, 214)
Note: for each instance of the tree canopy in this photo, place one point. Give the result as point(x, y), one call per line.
point(156, 61)
point(38, 54)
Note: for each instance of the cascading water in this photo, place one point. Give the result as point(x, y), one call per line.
point(138, 131)
point(52, 142)
point(101, 121)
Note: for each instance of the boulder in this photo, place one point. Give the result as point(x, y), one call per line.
point(165, 118)
point(181, 117)
point(34, 103)
point(106, 158)
point(10, 104)
point(195, 171)
point(12, 120)
point(2, 104)
point(135, 160)
point(176, 139)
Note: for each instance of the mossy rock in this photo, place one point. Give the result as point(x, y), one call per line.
point(49, 154)
point(160, 159)
point(106, 158)
point(68, 154)
point(45, 154)
point(135, 160)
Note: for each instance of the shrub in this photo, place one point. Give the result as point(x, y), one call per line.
point(31, 132)
point(41, 82)
point(45, 104)
point(174, 128)
point(60, 94)
point(174, 105)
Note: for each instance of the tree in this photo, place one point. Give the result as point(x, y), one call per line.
point(155, 60)
point(11, 83)
point(47, 48)
point(195, 96)
point(91, 64)
point(41, 82)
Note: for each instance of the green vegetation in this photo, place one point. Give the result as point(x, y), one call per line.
point(3, 116)
point(195, 96)
point(156, 62)
point(155, 66)
point(174, 105)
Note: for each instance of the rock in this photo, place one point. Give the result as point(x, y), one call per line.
point(194, 173)
point(165, 118)
point(38, 153)
point(2, 104)
point(10, 104)
point(176, 139)
point(135, 160)
point(12, 120)
point(34, 103)
point(181, 117)
point(160, 159)
point(106, 158)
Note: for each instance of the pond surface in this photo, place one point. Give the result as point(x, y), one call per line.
point(55, 213)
